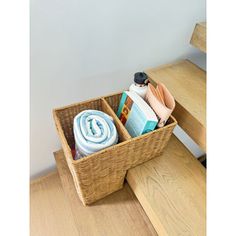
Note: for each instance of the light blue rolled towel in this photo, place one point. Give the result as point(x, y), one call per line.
point(93, 131)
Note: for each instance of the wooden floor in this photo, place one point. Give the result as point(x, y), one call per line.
point(172, 190)
point(56, 209)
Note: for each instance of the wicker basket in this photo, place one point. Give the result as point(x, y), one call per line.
point(97, 175)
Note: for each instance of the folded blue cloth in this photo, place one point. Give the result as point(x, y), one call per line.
point(93, 131)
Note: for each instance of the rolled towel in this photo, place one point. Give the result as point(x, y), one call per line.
point(93, 131)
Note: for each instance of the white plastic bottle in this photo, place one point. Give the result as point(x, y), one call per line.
point(140, 84)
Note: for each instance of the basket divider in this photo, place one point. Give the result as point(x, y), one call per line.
point(123, 133)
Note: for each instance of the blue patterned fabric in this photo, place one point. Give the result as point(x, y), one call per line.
point(93, 131)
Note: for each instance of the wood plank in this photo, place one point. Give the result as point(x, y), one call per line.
point(198, 39)
point(187, 83)
point(190, 125)
point(118, 214)
point(41, 178)
point(50, 212)
point(172, 190)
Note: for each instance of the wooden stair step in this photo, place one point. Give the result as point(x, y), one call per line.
point(50, 212)
point(187, 83)
point(55, 209)
point(172, 190)
point(198, 39)
point(117, 214)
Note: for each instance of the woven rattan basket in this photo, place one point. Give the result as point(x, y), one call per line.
point(97, 175)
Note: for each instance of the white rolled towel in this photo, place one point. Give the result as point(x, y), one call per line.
point(93, 131)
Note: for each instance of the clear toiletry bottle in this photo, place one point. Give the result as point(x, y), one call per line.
point(140, 84)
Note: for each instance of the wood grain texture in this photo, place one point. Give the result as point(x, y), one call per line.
point(54, 213)
point(50, 212)
point(172, 190)
point(190, 125)
point(118, 214)
point(198, 39)
point(187, 83)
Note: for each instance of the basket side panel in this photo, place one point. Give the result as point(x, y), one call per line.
point(65, 146)
point(102, 174)
point(149, 146)
point(114, 101)
point(66, 117)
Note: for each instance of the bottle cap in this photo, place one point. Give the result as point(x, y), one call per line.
point(140, 78)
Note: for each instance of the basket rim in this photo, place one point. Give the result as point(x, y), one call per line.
point(174, 123)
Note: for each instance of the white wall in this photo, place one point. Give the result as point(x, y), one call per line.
point(83, 49)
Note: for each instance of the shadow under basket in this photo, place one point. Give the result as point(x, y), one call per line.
point(97, 175)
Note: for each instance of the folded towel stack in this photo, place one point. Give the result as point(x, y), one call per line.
point(93, 130)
